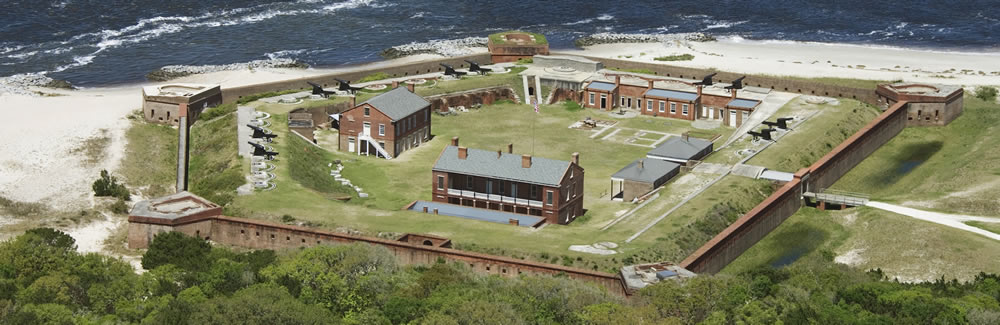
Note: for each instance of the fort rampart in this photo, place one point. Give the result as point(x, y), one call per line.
point(482, 96)
point(257, 234)
point(806, 87)
point(753, 226)
point(230, 95)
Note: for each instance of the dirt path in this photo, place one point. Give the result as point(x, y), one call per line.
point(951, 220)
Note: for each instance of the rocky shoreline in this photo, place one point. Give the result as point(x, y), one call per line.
point(455, 47)
point(170, 72)
point(614, 38)
point(21, 84)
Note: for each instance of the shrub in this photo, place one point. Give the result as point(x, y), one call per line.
point(375, 76)
point(108, 185)
point(986, 93)
point(119, 207)
point(525, 61)
point(680, 57)
point(572, 106)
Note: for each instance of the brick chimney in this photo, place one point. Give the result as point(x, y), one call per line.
point(734, 94)
point(463, 152)
point(454, 141)
point(684, 136)
point(395, 84)
point(699, 90)
point(410, 87)
point(354, 101)
point(525, 161)
point(640, 163)
point(650, 85)
point(499, 153)
point(618, 80)
point(576, 158)
point(510, 148)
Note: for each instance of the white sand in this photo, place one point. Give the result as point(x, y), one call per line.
point(811, 60)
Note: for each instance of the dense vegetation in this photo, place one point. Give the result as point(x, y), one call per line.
point(43, 280)
point(678, 57)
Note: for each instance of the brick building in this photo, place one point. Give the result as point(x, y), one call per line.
point(928, 104)
point(160, 104)
point(503, 181)
point(514, 45)
point(386, 125)
point(664, 97)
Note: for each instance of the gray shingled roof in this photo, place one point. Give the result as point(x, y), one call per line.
point(652, 170)
point(664, 93)
point(677, 148)
point(398, 103)
point(597, 85)
point(507, 167)
point(743, 103)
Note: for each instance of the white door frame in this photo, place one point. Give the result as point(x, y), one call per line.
point(367, 129)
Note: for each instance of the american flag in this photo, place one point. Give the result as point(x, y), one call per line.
point(536, 105)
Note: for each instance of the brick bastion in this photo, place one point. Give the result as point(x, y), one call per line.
point(195, 216)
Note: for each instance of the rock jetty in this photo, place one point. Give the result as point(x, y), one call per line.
point(614, 38)
point(176, 71)
point(455, 47)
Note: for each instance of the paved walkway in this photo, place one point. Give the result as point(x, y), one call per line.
point(950, 220)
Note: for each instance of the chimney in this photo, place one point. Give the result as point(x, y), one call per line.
point(454, 141)
point(684, 136)
point(734, 94)
point(354, 101)
point(463, 152)
point(576, 158)
point(650, 85)
point(525, 161)
point(618, 80)
point(510, 148)
point(699, 90)
point(410, 87)
point(499, 153)
point(182, 147)
point(640, 163)
point(395, 84)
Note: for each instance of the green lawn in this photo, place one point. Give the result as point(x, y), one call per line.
point(992, 227)
point(815, 137)
point(468, 82)
point(938, 163)
point(150, 159)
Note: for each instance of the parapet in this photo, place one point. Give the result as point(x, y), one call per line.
point(641, 275)
point(175, 209)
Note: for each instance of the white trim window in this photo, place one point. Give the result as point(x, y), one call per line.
point(661, 106)
point(548, 197)
point(684, 109)
point(649, 105)
point(381, 129)
point(673, 108)
point(592, 99)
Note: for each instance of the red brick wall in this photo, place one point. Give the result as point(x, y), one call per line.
point(678, 114)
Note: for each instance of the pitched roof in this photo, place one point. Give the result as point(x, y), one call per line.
point(398, 103)
point(678, 148)
point(597, 85)
point(664, 93)
point(485, 163)
point(652, 170)
point(743, 103)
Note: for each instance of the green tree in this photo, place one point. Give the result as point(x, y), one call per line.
point(188, 253)
point(263, 304)
point(108, 185)
point(35, 253)
point(56, 288)
point(44, 314)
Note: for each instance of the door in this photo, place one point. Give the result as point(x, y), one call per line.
point(629, 102)
point(604, 101)
point(350, 146)
point(732, 118)
point(367, 129)
point(704, 112)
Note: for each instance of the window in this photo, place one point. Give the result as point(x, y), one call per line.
point(623, 100)
point(468, 182)
point(440, 182)
point(638, 103)
point(367, 112)
point(684, 109)
point(548, 197)
point(570, 189)
point(649, 105)
point(534, 191)
point(591, 98)
point(381, 129)
point(513, 189)
point(501, 185)
point(427, 117)
point(661, 106)
point(673, 108)
point(489, 186)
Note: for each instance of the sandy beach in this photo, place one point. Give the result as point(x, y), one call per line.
point(806, 59)
point(41, 162)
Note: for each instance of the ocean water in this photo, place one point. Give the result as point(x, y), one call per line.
point(94, 43)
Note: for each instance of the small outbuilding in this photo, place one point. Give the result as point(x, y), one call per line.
point(681, 149)
point(640, 177)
